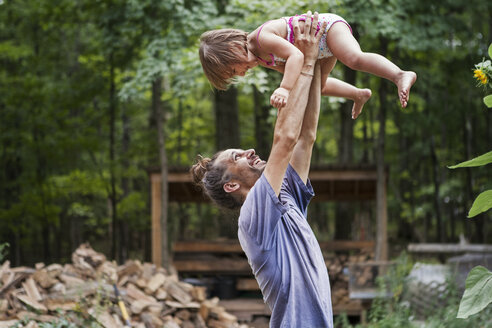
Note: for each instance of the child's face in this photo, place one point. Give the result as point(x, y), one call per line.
point(240, 69)
point(246, 61)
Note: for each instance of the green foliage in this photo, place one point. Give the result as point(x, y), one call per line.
point(3, 251)
point(63, 320)
point(482, 203)
point(487, 100)
point(478, 292)
point(397, 311)
point(477, 161)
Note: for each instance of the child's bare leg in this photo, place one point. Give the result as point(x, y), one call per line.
point(344, 46)
point(337, 88)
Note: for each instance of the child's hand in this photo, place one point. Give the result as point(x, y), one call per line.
point(279, 98)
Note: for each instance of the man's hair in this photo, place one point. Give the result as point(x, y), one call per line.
point(219, 50)
point(211, 178)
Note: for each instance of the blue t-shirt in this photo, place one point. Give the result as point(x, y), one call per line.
point(284, 254)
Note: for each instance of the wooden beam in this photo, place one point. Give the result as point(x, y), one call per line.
point(381, 252)
point(233, 246)
point(346, 245)
point(256, 305)
point(449, 248)
point(201, 246)
point(155, 180)
point(239, 266)
point(246, 284)
point(343, 175)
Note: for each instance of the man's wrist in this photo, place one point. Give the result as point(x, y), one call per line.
point(308, 68)
point(307, 74)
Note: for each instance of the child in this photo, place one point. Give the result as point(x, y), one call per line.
point(227, 53)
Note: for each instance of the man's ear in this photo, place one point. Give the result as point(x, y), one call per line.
point(231, 186)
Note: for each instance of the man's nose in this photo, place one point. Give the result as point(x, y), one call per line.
point(250, 152)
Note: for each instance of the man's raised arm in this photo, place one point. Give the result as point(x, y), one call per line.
point(301, 156)
point(289, 120)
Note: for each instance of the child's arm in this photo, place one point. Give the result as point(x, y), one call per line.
point(273, 43)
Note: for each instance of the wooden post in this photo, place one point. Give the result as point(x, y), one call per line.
point(382, 218)
point(155, 180)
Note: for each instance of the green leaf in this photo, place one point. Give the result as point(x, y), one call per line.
point(477, 161)
point(478, 292)
point(481, 204)
point(488, 101)
point(490, 50)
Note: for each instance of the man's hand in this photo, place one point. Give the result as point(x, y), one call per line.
point(308, 40)
point(279, 98)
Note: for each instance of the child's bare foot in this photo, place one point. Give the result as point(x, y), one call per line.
point(362, 97)
point(404, 83)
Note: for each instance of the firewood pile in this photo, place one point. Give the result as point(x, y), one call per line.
point(339, 280)
point(85, 290)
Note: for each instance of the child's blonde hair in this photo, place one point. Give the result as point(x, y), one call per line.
point(219, 49)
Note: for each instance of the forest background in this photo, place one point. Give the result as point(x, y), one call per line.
point(86, 87)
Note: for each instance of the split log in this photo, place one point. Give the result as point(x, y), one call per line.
point(44, 279)
point(108, 271)
point(184, 315)
point(32, 324)
point(155, 282)
point(32, 303)
point(199, 322)
point(139, 305)
point(187, 324)
point(4, 305)
point(161, 294)
point(137, 294)
point(32, 290)
point(4, 268)
point(177, 292)
point(25, 315)
point(130, 268)
point(54, 305)
point(54, 270)
point(170, 323)
point(104, 318)
point(13, 281)
point(148, 270)
point(71, 281)
point(8, 323)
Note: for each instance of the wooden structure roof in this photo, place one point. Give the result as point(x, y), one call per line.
point(330, 183)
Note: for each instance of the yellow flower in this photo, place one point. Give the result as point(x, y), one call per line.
point(480, 76)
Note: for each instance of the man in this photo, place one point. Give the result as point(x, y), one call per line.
point(273, 196)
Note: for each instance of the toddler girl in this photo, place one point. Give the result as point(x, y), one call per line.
point(226, 53)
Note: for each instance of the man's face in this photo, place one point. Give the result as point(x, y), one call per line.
point(243, 165)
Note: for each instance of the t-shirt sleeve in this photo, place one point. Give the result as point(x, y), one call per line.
point(300, 192)
point(260, 213)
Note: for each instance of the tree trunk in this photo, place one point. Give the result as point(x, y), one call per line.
point(226, 119)
point(344, 213)
point(469, 177)
point(381, 210)
point(489, 111)
point(262, 128)
point(160, 117)
point(125, 184)
point(112, 125)
point(440, 234)
point(226, 136)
